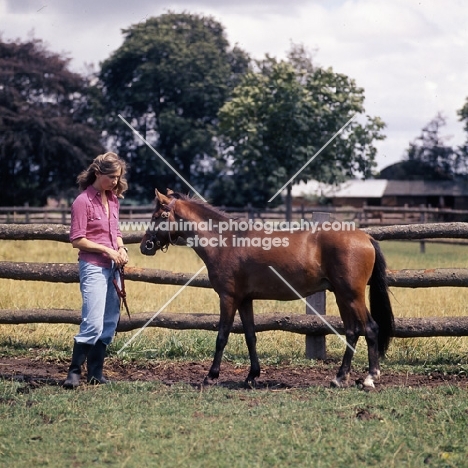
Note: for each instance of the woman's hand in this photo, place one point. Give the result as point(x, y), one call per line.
point(119, 257)
point(123, 252)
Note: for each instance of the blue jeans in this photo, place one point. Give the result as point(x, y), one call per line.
point(101, 304)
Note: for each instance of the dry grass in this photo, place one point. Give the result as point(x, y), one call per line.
point(145, 297)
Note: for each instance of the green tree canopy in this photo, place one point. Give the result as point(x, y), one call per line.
point(429, 157)
point(463, 114)
point(169, 79)
point(282, 114)
point(45, 139)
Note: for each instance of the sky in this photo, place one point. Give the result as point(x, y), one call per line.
point(410, 56)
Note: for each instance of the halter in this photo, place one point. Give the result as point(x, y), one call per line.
point(153, 240)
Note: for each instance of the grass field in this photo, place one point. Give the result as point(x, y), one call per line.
point(150, 424)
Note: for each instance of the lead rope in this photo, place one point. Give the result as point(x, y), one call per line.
point(121, 291)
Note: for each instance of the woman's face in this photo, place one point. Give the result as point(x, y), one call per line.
point(108, 181)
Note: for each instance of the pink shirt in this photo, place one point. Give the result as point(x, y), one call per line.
point(89, 220)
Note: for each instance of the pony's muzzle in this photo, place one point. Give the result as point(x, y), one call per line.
point(148, 247)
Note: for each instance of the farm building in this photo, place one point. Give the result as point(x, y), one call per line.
point(381, 192)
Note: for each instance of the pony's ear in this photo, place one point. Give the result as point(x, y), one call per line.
point(161, 198)
point(171, 194)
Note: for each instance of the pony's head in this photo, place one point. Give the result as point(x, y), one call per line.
point(158, 236)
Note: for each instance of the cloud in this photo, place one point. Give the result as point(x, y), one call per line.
point(408, 55)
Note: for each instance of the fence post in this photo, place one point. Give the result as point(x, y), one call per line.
point(422, 220)
point(26, 212)
point(316, 345)
point(250, 211)
point(364, 214)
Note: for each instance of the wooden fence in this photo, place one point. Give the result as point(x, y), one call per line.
point(308, 325)
point(363, 217)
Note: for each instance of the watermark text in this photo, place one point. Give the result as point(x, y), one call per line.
point(235, 226)
point(236, 233)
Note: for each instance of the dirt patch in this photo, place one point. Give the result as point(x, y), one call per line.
point(36, 372)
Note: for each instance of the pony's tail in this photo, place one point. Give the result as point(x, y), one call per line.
point(380, 307)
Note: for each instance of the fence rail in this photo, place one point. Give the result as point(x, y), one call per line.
point(302, 324)
point(362, 216)
point(455, 230)
point(68, 273)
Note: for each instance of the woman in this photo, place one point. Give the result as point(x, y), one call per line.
point(95, 232)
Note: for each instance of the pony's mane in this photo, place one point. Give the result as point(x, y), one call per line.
point(204, 204)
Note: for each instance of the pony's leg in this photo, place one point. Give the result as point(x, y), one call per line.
point(352, 306)
point(353, 314)
point(247, 317)
point(342, 377)
point(372, 332)
point(227, 312)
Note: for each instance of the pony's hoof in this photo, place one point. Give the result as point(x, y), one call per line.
point(209, 382)
point(335, 383)
point(368, 383)
point(250, 383)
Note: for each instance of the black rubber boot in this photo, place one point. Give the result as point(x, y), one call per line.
point(96, 363)
point(80, 351)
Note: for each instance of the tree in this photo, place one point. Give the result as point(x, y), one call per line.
point(463, 150)
point(283, 113)
point(45, 138)
point(429, 157)
point(169, 79)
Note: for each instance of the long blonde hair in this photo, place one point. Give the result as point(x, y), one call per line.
point(107, 163)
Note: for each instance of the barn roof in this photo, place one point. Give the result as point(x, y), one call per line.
point(426, 188)
point(370, 188)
